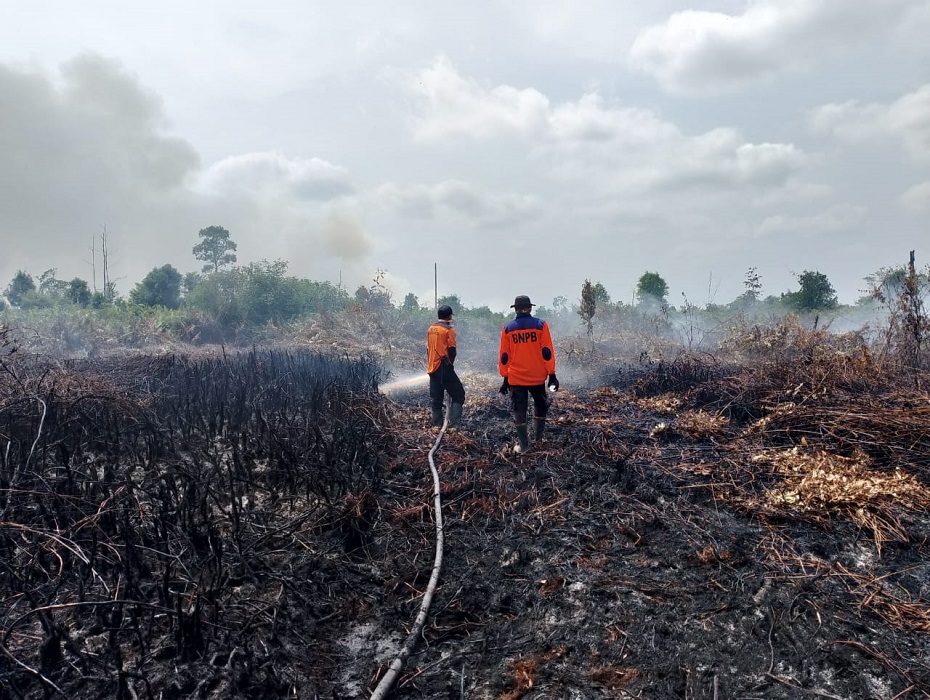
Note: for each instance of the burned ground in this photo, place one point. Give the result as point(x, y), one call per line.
point(685, 530)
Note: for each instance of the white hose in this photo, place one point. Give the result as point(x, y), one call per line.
point(389, 678)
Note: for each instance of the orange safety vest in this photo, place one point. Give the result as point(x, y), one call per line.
point(439, 338)
point(527, 355)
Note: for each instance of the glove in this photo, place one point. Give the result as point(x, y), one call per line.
point(553, 382)
point(505, 386)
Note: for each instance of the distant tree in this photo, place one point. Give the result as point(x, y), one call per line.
point(51, 286)
point(560, 304)
point(160, 287)
point(815, 293)
point(888, 283)
point(588, 306)
point(189, 281)
point(21, 284)
point(411, 303)
point(453, 301)
point(215, 249)
point(78, 292)
point(651, 287)
point(601, 295)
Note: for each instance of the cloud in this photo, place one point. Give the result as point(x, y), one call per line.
point(832, 219)
point(456, 108)
point(90, 147)
point(310, 179)
point(604, 148)
point(906, 119)
point(699, 52)
point(917, 198)
point(458, 201)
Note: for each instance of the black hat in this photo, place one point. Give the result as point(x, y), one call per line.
point(444, 311)
point(522, 302)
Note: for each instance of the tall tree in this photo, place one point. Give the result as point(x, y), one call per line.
point(816, 293)
point(78, 292)
point(21, 284)
point(215, 248)
point(651, 287)
point(588, 306)
point(160, 287)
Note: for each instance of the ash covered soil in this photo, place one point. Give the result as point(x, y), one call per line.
point(646, 548)
point(684, 530)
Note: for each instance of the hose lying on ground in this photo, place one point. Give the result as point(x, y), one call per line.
point(389, 678)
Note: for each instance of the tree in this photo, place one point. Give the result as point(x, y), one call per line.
point(651, 287)
point(78, 292)
point(453, 301)
point(160, 287)
point(51, 286)
point(215, 248)
point(411, 303)
point(816, 293)
point(21, 284)
point(588, 306)
point(601, 295)
point(189, 281)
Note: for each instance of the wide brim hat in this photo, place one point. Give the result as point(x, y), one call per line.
point(522, 302)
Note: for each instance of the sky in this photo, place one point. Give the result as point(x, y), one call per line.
point(509, 148)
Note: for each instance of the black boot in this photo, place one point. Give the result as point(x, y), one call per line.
point(437, 418)
point(540, 425)
point(455, 414)
point(523, 439)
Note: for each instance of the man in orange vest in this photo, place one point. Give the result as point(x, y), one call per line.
point(527, 363)
point(440, 357)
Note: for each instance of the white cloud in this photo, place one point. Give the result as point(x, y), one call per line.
point(457, 108)
point(311, 179)
point(604, 148)
point(697, 52)
point(907, 119)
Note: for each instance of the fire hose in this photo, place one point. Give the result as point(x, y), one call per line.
point(390, 677)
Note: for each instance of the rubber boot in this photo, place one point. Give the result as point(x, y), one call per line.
point(455, 414)
point(523, 439)
point(437, 419)
point(540, 425)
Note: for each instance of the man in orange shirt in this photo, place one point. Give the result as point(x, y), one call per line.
point(441, 351)
point(527, 362)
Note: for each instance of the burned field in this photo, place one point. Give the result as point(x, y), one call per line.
point(261, 526)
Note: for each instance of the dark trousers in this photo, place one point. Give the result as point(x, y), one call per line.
point(520, 401)
point(442, 380)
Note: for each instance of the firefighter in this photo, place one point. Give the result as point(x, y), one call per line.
point(440, 357)
point(527, 363)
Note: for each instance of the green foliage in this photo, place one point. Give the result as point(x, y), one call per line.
point(601, 295)
point(78, 292)
point(411, 303)
point(189, 281)
point(377, 297)
point(215, 249)
point(588, 306)
point(21, 284)
point(52, 287)
point(651, 287)
point(453, 301)
point(261, 293)
point(160, 287)
point(816, 293)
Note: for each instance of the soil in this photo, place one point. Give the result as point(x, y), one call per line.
point(675, 534)
point(619, 558)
